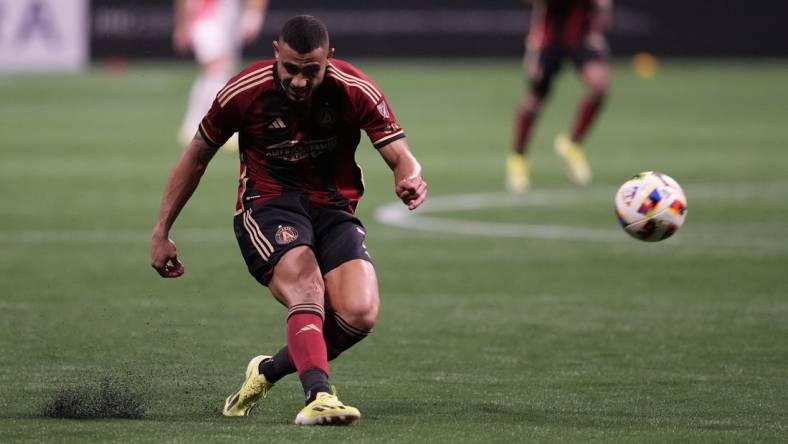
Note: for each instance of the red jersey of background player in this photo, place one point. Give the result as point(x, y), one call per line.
point(308, 146)
point(560, 22)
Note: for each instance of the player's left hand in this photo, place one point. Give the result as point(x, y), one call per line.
point(412, 191)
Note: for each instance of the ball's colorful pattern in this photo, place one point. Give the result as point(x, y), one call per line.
point(651, 206)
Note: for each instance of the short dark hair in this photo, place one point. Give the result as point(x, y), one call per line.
point(304, 33)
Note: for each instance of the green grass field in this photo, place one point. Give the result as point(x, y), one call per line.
point(486, 337)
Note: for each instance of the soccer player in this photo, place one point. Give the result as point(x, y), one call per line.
point(562, 29)
point(299, 118)
point(214, 30)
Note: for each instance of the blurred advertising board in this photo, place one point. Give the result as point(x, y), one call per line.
point(43, 35)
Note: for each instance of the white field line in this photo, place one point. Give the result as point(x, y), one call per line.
point(395, 214)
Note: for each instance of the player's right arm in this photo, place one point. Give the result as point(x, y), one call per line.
point(602, 18)
point(184, 178)
point(181, 41)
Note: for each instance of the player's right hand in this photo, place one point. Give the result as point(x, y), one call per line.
point(412, 191)
point(164, 258)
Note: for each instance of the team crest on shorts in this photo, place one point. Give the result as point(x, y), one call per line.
point(286, 234)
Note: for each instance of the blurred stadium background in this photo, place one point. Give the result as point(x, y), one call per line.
point(504, 318)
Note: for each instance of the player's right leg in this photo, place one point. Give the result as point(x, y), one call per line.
point(541, 64)
point(254, 387)
point(298, 283)
point(352, 303)
point(352, 292)
point(275, 239)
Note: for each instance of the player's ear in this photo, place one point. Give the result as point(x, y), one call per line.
point(275, 45)
point(330, 53)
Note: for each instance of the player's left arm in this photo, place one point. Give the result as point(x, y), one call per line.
point(252, 19)
point(602, 19)
point(409, 185)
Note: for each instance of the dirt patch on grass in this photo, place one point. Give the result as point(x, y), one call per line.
point(107, 398)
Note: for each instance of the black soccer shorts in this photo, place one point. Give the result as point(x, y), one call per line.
point(267, 231)
point(591, 49)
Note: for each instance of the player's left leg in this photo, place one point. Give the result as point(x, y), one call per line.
point(591, 60)
point(353, 304)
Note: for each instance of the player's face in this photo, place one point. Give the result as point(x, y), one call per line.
point(300, 74)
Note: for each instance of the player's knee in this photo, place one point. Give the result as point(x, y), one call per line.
point(362, 315)
point(597, 85)
point(598, 89)
point(540, 88)
point(532, 104)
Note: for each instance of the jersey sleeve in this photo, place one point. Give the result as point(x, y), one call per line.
point(378, 121)
point(221, 121)
point(370, 107)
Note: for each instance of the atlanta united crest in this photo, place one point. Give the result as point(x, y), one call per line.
point(383, 110)
point(327, 118)
point(286, 234)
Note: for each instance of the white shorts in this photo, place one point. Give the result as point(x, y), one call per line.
point(215, 35)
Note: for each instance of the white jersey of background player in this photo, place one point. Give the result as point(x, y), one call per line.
point(215, 31)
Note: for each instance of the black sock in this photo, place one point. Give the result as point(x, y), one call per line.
point(277, 367)
point(314, 381)
point(340, 335)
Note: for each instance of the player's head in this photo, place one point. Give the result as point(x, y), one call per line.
point(302, 52)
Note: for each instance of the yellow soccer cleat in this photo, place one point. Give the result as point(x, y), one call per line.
point(518, 173)
point(327, 409)
point(576, 164)
point(254, 387)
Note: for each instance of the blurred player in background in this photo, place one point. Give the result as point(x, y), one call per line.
point(299, 119)
point(562, 29)
point(214, 31)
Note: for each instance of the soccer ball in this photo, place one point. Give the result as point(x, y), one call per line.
point(651, 206)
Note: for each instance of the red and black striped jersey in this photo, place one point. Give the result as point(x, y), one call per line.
point(308, 146)
point(561, 22)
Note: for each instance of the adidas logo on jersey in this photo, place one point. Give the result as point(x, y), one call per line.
point(278, 123)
